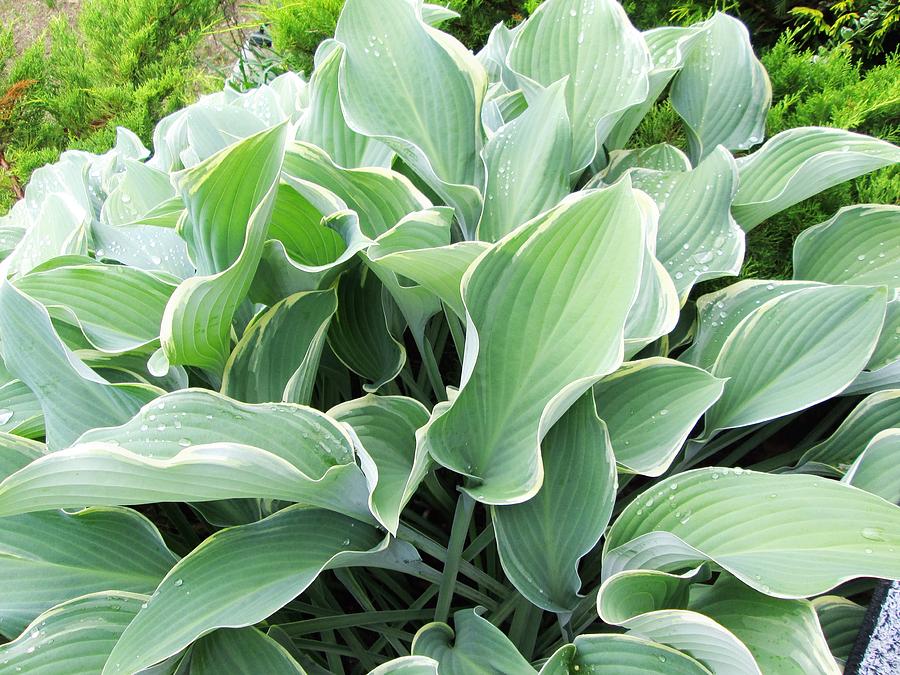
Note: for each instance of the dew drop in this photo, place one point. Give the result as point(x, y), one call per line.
point(5, 415)
point(183, 442)
point(664, 411)
point(179, 582)
point(873, 533)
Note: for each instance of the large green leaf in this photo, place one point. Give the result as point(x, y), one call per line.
point(278, 356)
point(475, 645)
point(386, 428)
point(238, 577)
point(784, 636)
point(171, 452)
point(541, 541)
point(21, 413)
point(840, 620)
point(530, 299)
point(514, 191)
point(788, 536)
point(433, 122)
point(722, 91)
point(50, 557)
point(650, 407)
point(876, 469)
point(873, 415)
point(16, 452)
point(794, 351)
point(118, 308)
point(604, 57)
point(859, 245)
point(72, 396)
point(75, 637)
point(625, 654)
point(241, 650)
point(801, 162)
point(229, 199)
point(408, 665)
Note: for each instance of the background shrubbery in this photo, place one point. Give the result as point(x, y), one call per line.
point(131, 63)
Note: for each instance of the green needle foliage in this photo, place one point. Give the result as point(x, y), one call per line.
point(403, 368)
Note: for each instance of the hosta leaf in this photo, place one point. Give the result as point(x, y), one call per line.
point(229, 199)
point(626, 654)
point(650, 407)
point(722, 91)
point(720, 313)
point(525, 362)
point(241, 650)
point(282, 452)
point(653, 605)
point(386, 427)
point(697, 238)
point(784, 636)
point(433, 121)
point(873, 415)
point(359, 333)
point(408, 665)
point(16, 452)
point(604, 56)
point(788, 536)
point(118, 308)
point(72, 396)
point(668, 47)
point(876, 470)
point(74, 637)
point(238, 577)
point(515, 192)
point(297, 222)
point(659, 157)
point(48, 558)
point(887, 351)
point(840, 620)
point(859, 245)
point(801, 162)
point(323, 123)
point(278, 356)
point(541, 541)
point(473, 644)
point(824, 338)
point(21, 413)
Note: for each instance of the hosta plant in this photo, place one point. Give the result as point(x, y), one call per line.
point(405, 369)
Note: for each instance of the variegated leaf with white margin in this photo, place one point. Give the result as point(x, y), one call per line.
point(74, 637)
point(654, 312)
point(859, 245)
point(530, 298)
point(784, 636)
point(539, 137)
point(669, 46)
point(620, 654)
point(799, 163)
point(323, 123)
point(493, 54)
point(788, 536)
point(73, 397)
point(16, 452)
point(887, 351)
point(722, 91)
point(118, 308)
point(654, 605)
point(394, 466)
point(408, 665)
point(659, 157)
point(229, 199)
point(874, 414)
point(21, 412)
point(170, 452)
point(720, 313)
point(433, 122)
point(51, 557)
point(606, 59)
point(697, 238)
point(541, 541)
point(794, 351)
point(143, 196)
point(241, 650)
point(238, 577)
point(277, 357)
point(869, 382)
point(650, 407)
point(472, 645)
point(877, 470)
point(840, 620)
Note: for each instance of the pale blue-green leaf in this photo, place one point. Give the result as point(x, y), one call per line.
point(799, 163)
point(887, 351)
point(625, 654)
point(241, 650)
point(408, 665)
point(876, 469)
point(20, 411)
point(17, 452)
point(659, 157)
point(840, 620)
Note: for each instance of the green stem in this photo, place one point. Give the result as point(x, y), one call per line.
point(465, 505)
point(456, 332)
point(430, 364)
